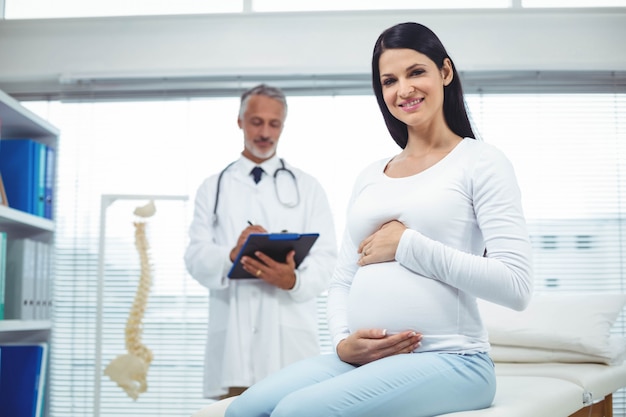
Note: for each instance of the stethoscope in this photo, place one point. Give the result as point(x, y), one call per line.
point(282, 170)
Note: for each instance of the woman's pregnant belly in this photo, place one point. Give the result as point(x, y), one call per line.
point(389, 296)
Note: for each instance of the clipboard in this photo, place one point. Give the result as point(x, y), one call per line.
point(274, 245)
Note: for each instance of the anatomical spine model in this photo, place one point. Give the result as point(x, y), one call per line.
point(130, 370)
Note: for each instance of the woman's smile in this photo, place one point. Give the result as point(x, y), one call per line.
point(411, 105)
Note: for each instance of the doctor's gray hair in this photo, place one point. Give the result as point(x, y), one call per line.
point(262, 90)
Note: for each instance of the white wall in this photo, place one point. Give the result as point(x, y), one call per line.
point(45, 51)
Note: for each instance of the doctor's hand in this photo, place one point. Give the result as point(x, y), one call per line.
point(367, 345)
point(253, 228)
point(381, 245)
point(281, 275)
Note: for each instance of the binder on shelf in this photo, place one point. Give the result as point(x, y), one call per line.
point(23, 369)
point(20, 279)
point(3, 263)
point(49, 285)
point(21, 164)
point(49, 182)
point(3, 194)
point(40, 193)
point(42, 285)
point(37, 282)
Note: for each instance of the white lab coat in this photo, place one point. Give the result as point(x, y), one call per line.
point(254, 328)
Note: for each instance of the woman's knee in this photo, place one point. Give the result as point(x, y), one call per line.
point(233, 410)
point(297, 404)
point(238, 408)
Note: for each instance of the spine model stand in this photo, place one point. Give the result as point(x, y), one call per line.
point(130, 370)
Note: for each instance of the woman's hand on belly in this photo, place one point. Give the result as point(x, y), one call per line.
point(381, 245)
point(368, 345)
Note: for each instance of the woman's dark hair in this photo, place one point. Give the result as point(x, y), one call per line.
point(423, 40)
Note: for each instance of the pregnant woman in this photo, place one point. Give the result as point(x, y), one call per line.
point(429, 231)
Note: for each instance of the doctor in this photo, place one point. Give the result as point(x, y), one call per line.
point(259, 325)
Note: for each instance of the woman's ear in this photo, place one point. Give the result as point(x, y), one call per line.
point(446, 72)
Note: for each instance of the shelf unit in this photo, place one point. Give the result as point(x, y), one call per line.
point(17, 122)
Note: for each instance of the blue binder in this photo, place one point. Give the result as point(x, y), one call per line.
point(21, 165)
point(40, 192)
point(49, 182)
point(22, 379)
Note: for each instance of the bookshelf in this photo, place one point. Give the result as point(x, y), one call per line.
point(20, 224)
point(17, 122)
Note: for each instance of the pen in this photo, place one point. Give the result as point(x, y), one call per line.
point(250, 223)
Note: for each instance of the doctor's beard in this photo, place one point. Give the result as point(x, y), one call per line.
point(258, 153)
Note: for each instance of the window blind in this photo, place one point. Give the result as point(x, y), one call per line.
point(567, 149)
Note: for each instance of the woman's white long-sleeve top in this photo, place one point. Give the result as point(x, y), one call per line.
point(467, 202)
point(255, 328)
